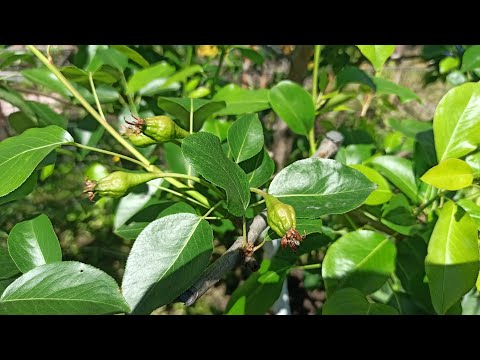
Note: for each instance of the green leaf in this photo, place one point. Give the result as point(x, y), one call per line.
point(8, 268)
point(448, 64)
point(472, 209)
point(316, 187)
point(259, 168)
point(22, 191)
point(251, 54)
point(377, 54)
point(87, 132)
point(14, 98)
point(449, 174)
point(474, 161)
point(352, 302)
point(241, 101)
point(382, 193)
point(393, 141)
point(4, 285)
point(46, 79)
point(200, 92)
point(46, 116)
point(20, 155)
point(34, 243)
point(456, 78)
point(352, 74)
point(410, 270)
point(260, 291)
point(471, 58)
point(155, 73)
point(452, 261)
point(204, 152)
point(106, 94)
point(399, 171)
point(397, 214)
point(74, 74)
point(456, 123)
point(409, 127)
point(20, 122)
point(471, 303)
point(245, 137)
point(362, 259)
point(131, 54)
point(135, 225)
point(111, 57)
point(424, 156)
point(354, 153)
point(180, 108)
point(217, 127)
point(176, 161)
point(63, 288)
point(384, 86)
point(167, 257)
point(140, 197)
point(182, 75)
point(294, 105)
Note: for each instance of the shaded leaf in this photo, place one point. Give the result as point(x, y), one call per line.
point(135, 225)
point(204, 152)
point(452, 261)
point(352, 74)
point(217, 127)
point(46, 116)
point(362, 259)
point(14, 98)
point(384, 86)
point(131, 54)
point(409, 127)
point(471, 58)
point(8, 268)
point(165, 260)
point(22, 191)
point(259, 168)
point(354, 153)
point(472, 209)
point(260, 291)
point(350, 301)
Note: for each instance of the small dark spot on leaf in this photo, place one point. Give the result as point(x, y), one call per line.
point(81, 271)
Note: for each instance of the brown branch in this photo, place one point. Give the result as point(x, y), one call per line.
point(233, 256)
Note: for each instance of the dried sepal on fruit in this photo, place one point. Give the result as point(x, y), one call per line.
point(282, 219)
